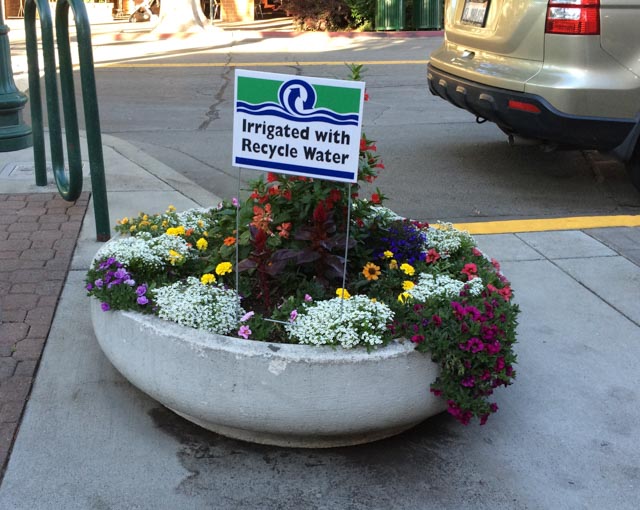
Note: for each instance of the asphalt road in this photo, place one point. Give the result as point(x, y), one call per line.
point(440, 163)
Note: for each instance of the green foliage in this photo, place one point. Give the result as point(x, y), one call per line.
point(363, 12)
point(330, 14)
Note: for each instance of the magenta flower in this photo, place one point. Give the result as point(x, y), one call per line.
point(474, 345)
point(308, 298)
point(293, 315)
point(493, 347)
point(468, 382)
point(105, 307)
point(417, 339)
point(244, 332)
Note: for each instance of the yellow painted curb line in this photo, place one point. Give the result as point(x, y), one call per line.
point(550, 224)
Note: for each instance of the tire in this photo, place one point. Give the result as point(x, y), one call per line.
point(633, 166)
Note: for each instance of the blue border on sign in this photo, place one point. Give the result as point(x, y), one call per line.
point(284, 167)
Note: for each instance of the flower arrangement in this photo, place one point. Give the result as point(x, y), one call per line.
point(313, 262)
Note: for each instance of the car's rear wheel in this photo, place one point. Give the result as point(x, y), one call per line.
point(633, 166)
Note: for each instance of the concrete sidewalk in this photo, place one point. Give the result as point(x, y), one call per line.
point(565, 435)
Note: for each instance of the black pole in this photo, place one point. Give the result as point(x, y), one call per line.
point(14, 134)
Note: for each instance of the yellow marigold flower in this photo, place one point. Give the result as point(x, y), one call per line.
point(408, 285)
point(175, 257)
point(154, 227)
point(205, 234)
point(224, 268)
point(124, 221)
point(165, 223)
point(207, 278)
point(404, 297)
point(388, 254)
point(371, 271)
point(171, 208)
point(132, 228)
point(145, 218)
point(408, 269)
point(176, 231)
point(200, 223)
point(143, 223)
point(202, 244)
point(343, 293)
point(393, 264)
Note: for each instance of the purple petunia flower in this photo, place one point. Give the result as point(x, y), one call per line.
point(130, 282)
point(89, 286)
point(105, 307)
point(142, 300)
point(141, 290)
point(121, 274)
point(98, 283)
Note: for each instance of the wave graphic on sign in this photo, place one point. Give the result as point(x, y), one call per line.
point(297, 103)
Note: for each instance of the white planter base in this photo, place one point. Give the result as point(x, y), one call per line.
point(292, 441)
point(278, 394)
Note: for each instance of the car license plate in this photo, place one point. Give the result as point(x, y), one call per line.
point(475, 12)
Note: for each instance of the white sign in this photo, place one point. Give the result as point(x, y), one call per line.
point(297, 125)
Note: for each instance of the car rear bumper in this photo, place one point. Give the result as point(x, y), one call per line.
point(547, 124)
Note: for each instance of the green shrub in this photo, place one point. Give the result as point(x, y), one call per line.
point(330, 14)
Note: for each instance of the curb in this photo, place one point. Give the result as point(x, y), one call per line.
point(160, 171)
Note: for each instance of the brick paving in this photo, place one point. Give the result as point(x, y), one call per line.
point(38, 233)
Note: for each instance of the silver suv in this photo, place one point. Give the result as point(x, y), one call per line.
point(565, 73)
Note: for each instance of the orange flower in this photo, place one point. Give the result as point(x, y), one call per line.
point(262, 218)
point(283, 230)
point(229, 241)
point(371, 271)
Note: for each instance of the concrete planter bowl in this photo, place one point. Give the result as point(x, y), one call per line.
point(278, 394)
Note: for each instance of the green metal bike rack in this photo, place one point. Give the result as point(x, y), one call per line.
point(69, 186)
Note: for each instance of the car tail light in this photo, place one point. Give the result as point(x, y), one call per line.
point(573, 17)
point(521, 105)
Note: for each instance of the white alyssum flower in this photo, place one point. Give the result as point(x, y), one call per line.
point(382, 214)
point(346, 322)
point(197, 219)
point(145, 251)
point(446, 239)
point(194, 304)
point(442, 286)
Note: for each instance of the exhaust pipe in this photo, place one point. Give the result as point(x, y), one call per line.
point(545, 146)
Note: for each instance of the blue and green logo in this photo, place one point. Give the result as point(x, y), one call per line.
point(299, 101)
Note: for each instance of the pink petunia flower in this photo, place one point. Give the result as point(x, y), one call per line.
point(244, 332)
